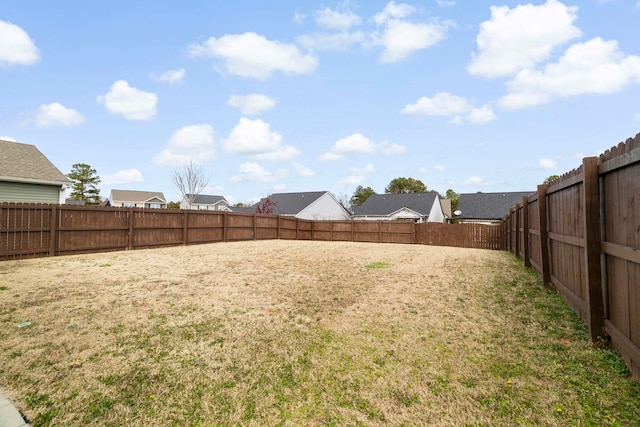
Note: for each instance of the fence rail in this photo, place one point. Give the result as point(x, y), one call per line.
point(582, 234)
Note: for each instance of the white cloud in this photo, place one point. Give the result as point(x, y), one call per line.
point(357, 175)
point(252, 104)
point(393, 11)
point(442, 104)
point(391, 148)
point(341, 41)
point(189, 143)
point(16, 47)
point(55, 114)
point(439, 168)
point(482, 115)
point(129, 102)
point(303, 170)
point(359, 144)
point(252, 55)
point(171, 76)
point(596, 66)
point(8, 138)
point(122, 177)
point(336, 20)
point(254, 137)
point(399, 37)
point(299, 18)
point(446, 3)
point(519, 38)
point(547, 164)
point(475, 181)
point(254, 172)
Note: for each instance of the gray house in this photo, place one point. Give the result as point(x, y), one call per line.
point(206, 202)
point(420, 207)
point(318, 205)
point(487, 208)
point(137, 199)
point(26, 175)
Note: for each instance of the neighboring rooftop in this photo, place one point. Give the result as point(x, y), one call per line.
point(205, 199)
point(291, 203)
point(490, 206)
point(386, 204)
point(135, 196)
point(25, 163)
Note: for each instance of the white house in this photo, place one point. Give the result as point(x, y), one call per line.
point(137, 199)
point(419, 207)
point(316, 205)
point(205, 202)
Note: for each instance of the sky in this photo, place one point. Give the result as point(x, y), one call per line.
point(289, 96)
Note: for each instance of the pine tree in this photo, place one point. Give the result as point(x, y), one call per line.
point(85, 184)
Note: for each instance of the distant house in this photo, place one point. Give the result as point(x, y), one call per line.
point(318, 205)
point(206, 202)
point(137, 199)
point(26, 175)
point(487, 208)
point(420, 207)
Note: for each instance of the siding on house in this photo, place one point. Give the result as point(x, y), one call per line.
point(29, 193)
point(27, 176)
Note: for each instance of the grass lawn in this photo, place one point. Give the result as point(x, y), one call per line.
point(300, 333)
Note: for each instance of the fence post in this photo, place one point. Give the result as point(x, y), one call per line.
point(525, 230)
point(224, 226)
point(131, 218)
point(544, 235)
point(517, 231)
point(184, 227)
point(592, 247)
point(52, 231)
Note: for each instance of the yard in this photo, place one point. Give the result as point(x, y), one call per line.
point(300, 333)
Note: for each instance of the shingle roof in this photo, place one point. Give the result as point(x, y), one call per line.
point(24, 162)
point(292, 203)
point(206, 199)
point(488, 205)
point(386, 204)
point(135, 196)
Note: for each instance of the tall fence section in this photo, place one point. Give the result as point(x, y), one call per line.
point(582, 234)
point(33, 230)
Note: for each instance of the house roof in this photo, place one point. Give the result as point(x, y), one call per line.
point(25, 163)
point(446, 207)
point(206, 199)
point(488, 205)
point(135, 196)
point(291, 203)
point(386, 204)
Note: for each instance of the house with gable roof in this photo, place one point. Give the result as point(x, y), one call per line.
point(316, 205)
point(27, 176)
point(137, 199)
point(419, 207)
point(205, 202)
point(487, 208)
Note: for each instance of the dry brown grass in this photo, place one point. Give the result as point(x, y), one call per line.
point(298, 333)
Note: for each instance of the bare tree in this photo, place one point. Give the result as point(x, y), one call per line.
point(190, 180)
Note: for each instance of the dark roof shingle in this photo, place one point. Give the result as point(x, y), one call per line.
point(488, 205)
point(292, 203)
point(386, 204)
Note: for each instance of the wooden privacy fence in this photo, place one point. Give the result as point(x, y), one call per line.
point(32, 230)
point(582, 234)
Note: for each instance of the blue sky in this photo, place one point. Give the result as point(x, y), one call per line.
point(304, 96)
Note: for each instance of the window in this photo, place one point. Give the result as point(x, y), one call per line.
point(128, 205)
point(154, 205)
